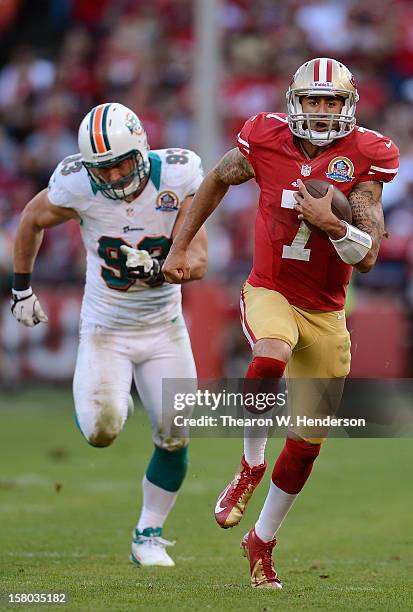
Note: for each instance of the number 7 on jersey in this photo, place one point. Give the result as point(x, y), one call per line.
point(296, 250)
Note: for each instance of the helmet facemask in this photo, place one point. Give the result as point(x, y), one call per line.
point(300, 122)
point(126, 185)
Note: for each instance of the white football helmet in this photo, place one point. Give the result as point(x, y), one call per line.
point(322, 77)
point(109, 134)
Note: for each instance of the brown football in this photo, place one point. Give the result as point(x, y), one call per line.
point(340, 206)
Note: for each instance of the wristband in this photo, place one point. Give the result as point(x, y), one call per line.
point(354, 246)
point(21, 282)
point(22, 295)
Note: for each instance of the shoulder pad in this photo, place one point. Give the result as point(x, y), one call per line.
point(69, 183)
point(260, 129)
point(381, 153)
point(179, 166)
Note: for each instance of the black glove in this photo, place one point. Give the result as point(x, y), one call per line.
point(142, 266)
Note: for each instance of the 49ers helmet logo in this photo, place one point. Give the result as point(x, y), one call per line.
point(341, 169)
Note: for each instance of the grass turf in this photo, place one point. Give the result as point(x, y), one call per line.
point(67, 510)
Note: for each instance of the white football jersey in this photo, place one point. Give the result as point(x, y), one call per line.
point(111, 299)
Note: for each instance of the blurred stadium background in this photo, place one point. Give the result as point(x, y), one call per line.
point(194, 71)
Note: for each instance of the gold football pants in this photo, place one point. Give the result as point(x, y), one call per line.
point(320, 344)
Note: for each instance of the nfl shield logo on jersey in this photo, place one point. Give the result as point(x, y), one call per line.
point(305, 170)
point(167, 201)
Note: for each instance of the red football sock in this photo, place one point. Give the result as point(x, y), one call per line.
point(265, 367)
point(263, 376)
point(294, 465)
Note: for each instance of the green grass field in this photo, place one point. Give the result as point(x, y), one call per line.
point(67, 511)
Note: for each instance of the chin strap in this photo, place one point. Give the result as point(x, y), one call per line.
point(321, 143)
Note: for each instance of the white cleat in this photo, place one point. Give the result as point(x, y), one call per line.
point(148, 548)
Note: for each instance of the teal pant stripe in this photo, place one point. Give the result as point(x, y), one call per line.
point(167, 469)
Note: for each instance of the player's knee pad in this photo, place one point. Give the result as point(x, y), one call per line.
point(170, 444)
point(101, 438)
point(167, 469)
point(101, 430)
point(335, 351)
point(265, 367)
point(167, 435)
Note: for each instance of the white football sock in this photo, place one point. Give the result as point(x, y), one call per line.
point(254, 448)
point(157, 504)
point(273, 512)
point(255, 439)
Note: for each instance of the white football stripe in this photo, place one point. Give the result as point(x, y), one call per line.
point(385, 170)
point(244, 144)
point(323, 70)
point(277, 117)
point(244, 327)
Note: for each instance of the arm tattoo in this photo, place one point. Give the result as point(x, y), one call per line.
point(367, 209)
point(233, 168)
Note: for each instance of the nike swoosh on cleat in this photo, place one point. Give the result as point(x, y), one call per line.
point(388, 144)
point(218, 507)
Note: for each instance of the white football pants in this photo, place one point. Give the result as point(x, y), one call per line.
point(107, 361)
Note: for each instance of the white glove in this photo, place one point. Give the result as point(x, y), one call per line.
point(26, 308)
point(139, 262)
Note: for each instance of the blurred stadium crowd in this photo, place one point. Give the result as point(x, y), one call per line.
point(61, 57)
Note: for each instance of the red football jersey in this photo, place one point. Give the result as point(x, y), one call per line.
point(288, 257)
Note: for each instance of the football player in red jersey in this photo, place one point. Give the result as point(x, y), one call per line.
point(292, 303)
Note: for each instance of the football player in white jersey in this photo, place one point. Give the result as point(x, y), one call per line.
point(130, 204)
